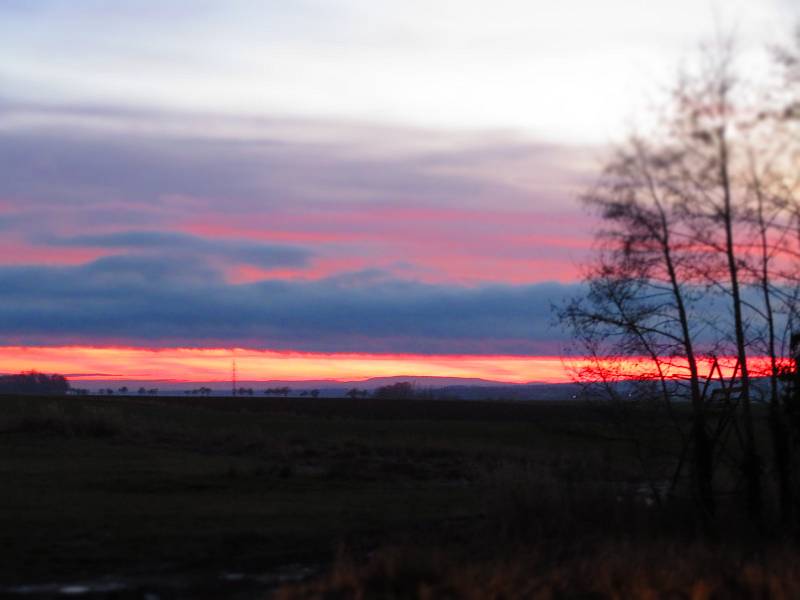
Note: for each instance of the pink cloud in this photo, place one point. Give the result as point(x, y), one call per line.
point(18, 252)
point(432, 244)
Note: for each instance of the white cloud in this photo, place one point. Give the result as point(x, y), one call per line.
point(573, 70)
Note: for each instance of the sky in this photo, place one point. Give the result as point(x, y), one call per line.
point(335, 189)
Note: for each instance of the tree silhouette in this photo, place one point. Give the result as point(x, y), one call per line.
point(401, 390)
point(33, 382)
point(698, 259)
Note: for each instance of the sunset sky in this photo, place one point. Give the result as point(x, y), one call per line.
point(334, 189)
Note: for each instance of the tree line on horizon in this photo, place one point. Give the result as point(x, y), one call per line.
point(33, 382)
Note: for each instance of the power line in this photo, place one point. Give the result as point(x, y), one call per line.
point(233, 376)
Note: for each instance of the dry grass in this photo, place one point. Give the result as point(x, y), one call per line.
point(541, 536)
point(613, 571)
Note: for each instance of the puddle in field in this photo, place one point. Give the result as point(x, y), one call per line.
point(225, 585)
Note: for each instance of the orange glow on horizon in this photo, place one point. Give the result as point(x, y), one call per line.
point(86, 363)
point(214, 364)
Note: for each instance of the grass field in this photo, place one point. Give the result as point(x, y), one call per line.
point(226, 491)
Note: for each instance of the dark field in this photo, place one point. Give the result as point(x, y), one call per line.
point(233, 497)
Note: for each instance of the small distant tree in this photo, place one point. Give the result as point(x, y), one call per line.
point(142, 391)
point(33, 382)
point(402, 390)
point(314, 393)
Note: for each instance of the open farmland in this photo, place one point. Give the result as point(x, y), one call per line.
point(171, 493)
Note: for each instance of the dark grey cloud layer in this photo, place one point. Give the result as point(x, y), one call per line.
point(162, 302)
point(195, 248)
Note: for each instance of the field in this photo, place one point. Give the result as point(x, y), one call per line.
point(233, 497)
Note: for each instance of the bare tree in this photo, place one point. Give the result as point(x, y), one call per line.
point(640, 304)
point(702, 130)
point(700, 258)
point(774, 183)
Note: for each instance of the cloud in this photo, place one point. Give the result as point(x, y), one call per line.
point(194, 248)
point(311, 195)
point(163, 302)
point(361, 238)
point(86, 155)
point(562, 69)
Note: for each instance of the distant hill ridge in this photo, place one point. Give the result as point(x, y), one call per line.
point(465, 388)
point(424, 381)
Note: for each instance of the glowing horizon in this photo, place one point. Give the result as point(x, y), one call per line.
point(213, 365)
point(86, 363)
